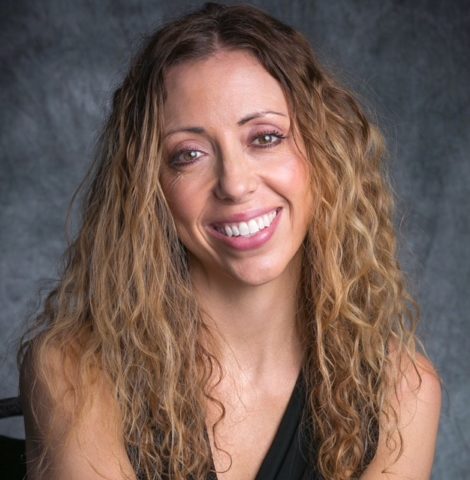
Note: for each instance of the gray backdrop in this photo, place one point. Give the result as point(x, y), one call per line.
point(61, 61)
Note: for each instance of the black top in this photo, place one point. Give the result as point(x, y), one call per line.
point(292, 454)
point(287, 457)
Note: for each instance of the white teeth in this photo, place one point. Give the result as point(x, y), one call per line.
point(253, 226)
point(247, 229)
point(244, 229)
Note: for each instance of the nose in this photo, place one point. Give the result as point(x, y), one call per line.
point(236, 175)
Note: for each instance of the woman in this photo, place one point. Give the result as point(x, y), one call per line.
point(232, 302)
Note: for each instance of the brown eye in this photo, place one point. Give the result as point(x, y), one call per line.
point(185, 157)
point(268, 139)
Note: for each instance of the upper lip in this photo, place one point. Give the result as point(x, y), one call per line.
point(243, 216)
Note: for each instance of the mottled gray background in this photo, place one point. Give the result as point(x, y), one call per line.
point(61, 61)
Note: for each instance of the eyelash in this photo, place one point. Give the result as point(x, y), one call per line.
point(272, 133)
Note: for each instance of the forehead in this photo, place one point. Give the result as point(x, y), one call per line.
point(225, 83)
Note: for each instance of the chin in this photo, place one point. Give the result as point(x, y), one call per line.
point(260, 275)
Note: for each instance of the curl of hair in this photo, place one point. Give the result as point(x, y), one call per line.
point(124, 302)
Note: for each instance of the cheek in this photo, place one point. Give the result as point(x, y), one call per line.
point(298, 190)
point(292, 178)
point(184, 200)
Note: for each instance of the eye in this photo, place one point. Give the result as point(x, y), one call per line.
point(185, 157)
point(268, 139)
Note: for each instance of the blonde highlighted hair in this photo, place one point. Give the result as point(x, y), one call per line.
point(124, 303)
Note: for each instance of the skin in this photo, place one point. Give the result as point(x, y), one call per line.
point(236, 170)
point(248, 296)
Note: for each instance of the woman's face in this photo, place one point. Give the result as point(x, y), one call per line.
point(236, 183)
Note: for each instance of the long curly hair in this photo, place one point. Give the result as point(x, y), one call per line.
point(124, 303)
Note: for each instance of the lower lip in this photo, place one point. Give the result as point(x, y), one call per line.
point(248, 243)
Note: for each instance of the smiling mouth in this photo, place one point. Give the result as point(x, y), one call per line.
point(249, 228)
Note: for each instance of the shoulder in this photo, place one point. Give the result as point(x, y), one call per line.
point(70, 433)
point(48, 380)
point(415, 402)
point(418, 379)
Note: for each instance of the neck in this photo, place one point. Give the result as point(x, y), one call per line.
point(254, 328)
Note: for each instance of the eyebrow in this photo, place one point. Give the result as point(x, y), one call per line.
point(252, 116)
point(242, 121)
